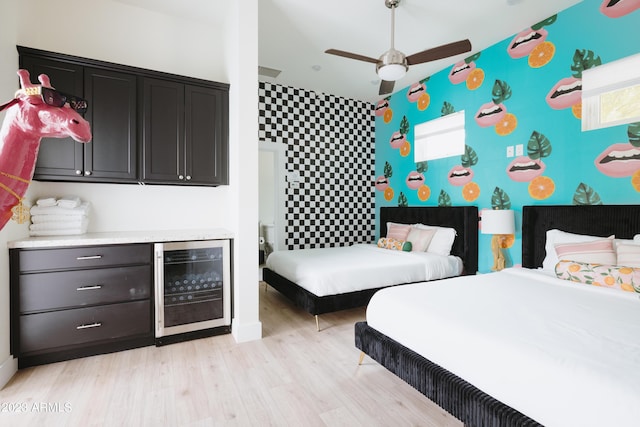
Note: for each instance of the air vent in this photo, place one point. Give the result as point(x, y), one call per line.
point(268, 72)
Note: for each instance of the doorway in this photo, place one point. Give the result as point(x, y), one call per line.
point(271, 194)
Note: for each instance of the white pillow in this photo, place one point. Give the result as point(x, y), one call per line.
point(557, 236)
point(420, 239)
point(617, 242)
point(628, 255)
point(442, 241)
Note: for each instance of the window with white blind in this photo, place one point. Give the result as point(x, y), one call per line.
point(611, 94)
point(439, 138)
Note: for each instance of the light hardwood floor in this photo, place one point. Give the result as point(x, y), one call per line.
point(294, 376)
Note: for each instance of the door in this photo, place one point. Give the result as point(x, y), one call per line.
point(206, 156)
point(112, 154)
point(163, 131)
point(57, 157)
point(271, 193)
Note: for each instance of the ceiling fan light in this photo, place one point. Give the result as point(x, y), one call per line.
point(392, 72)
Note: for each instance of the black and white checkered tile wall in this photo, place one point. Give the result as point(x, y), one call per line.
point(331, 146)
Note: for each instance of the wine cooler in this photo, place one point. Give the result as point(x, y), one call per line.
point(192, 287)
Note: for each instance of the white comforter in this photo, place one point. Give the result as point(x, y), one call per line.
point(562, 353)
point(331, 271)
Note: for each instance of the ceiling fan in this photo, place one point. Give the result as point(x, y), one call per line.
point(393, 64)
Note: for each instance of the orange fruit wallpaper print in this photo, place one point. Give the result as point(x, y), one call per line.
point(541, 188)
point(475, 79)
point(507, 125)
point(542, 54)
point(470, 191)
point(424, 192)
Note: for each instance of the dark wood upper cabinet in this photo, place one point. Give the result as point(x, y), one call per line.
point(147, 126)
point(184, 133)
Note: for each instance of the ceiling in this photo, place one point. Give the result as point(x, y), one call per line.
point(293, 35)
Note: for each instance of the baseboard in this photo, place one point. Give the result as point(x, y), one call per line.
point(8, 368)
point(243, 332)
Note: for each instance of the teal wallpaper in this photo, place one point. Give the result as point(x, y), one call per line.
point(524, 91)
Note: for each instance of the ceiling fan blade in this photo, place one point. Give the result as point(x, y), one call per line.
point(386, 86)
point(443, 51)
point(351, 55)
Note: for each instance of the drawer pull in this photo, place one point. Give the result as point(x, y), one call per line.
point(90, 325)
point(89, 287)
point(82, 258)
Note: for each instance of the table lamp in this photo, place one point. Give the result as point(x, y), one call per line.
point(500, 223)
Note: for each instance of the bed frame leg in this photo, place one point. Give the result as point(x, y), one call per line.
point(317, 323)
point(361, 358)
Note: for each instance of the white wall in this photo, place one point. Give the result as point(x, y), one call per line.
point(242, 58)
point(112, 31)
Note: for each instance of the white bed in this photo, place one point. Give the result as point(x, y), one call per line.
point(339, 278)
point(329, 271)
point(521, 346)
point(561, 353)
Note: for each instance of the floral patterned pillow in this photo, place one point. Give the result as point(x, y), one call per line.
point(394, 244)
point(608, 276)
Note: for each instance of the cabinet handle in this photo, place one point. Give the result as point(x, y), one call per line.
point(188, 177)
point(180, 177)
point(87, 173)
point(78, 172)
point(82, 258)
point(90, 325)
point(89, 287)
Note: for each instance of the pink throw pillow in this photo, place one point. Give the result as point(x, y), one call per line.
point(398, 232)
point(595, 252)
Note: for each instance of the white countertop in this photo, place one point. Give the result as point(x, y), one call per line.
point(119, 237)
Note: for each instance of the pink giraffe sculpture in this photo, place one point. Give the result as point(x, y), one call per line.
point(34, 113)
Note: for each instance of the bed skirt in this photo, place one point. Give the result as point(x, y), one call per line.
point(453, 394)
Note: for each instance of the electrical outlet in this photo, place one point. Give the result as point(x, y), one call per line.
point(510, 151)
point(519, 150)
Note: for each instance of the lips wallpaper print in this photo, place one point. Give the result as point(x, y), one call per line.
point(524, 143)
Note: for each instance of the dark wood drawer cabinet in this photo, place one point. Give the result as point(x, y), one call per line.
point(78, 301)
point(83, 257)
point(68, 289)
point(82, 326)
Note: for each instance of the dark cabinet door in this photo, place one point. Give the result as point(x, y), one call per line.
point(112, 155)
point(57, 157)
point(163, 131)
point(185, 133)
point(205, 135)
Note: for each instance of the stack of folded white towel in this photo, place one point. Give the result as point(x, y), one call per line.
point(62, 216)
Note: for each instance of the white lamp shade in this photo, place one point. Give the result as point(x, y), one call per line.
point(392, 72)
point(498, 221)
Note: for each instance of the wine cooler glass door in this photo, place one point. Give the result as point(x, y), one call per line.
point(192, 291)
